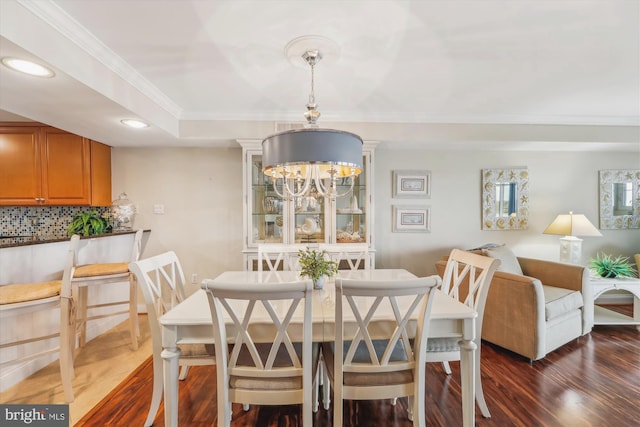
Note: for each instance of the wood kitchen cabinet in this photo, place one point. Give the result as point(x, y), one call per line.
point(41, 165)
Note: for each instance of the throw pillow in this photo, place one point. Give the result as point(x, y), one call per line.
point(485, 246)
point(508, 260)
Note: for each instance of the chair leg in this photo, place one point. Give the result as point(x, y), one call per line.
point(482, 404)
point(81, 316)
point(326, 388)
point(337, 405)
point(134, 327)
point(184, 370)
point(446, 367)
point(156, 395)
point(316, 389)
point(67, 345)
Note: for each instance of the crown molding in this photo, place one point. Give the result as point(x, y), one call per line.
point(59, 20)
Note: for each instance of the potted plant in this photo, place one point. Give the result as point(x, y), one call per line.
point(607, 266)
point(316, 265)
point(88, 224)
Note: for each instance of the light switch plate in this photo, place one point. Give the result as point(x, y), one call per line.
point(158, 209)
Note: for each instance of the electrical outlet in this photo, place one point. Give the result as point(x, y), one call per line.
point(194, 278)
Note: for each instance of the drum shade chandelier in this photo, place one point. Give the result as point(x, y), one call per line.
point(300, 159)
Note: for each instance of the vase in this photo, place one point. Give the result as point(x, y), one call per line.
point(319, 282)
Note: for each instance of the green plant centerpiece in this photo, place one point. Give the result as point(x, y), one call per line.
point(607, 266)
point(316, 265)
point(88, 224)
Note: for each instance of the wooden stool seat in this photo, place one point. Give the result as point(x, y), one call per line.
point(23, 292)
point(91, 270)
point(18, 299)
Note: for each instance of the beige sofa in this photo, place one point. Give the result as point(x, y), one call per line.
point(536, 312)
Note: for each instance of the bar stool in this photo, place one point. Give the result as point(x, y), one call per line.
point(23, 298)
point(78, 278)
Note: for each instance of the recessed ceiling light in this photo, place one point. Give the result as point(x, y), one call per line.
point(28, 67)
point(134, 123)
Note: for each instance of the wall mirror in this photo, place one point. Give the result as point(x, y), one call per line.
point(619, 199)
point(505, 199)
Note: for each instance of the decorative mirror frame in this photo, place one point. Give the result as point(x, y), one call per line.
point(520, 219)
point(609, 221)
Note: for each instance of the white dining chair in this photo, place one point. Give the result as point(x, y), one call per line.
point(161, 280)
point(377, 359)
point(466, 278)
point(279, 257)
point(353, 256)
point(266, 365)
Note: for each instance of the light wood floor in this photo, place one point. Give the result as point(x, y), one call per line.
point(100, 366)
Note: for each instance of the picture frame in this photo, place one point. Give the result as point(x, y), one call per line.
point(411, 184)
point(411, 219)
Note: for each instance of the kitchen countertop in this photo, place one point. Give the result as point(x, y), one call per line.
point(13, 241)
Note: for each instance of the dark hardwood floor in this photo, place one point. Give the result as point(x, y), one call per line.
point(593, 381)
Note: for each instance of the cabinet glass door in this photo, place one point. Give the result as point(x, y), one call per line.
point(267, 208)
point(310, 218)
point(351, 215)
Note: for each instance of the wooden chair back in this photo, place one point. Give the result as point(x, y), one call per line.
point(381, 358)
point(162, 281)
point(354, 255)
point(264, 351)
point(279, 257)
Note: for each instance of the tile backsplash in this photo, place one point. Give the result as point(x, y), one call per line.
point(41, 222)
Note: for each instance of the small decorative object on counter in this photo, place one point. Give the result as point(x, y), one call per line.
point(317, 266)
point(609, 267)
point(123, 211)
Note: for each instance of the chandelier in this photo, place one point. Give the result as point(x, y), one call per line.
point(312, 159)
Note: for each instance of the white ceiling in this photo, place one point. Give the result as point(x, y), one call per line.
point(552, 75)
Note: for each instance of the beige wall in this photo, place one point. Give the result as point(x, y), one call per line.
point(559, 182)
point(201, 190)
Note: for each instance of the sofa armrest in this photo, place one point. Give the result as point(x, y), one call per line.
point(556, 274)
point(568, 276)
point(514, 316)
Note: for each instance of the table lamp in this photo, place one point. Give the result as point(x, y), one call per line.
point(571, 226)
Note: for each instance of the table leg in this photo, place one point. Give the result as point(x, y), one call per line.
point(468, 379)
point(170, 357)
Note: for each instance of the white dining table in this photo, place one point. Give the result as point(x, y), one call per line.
point(191, 322)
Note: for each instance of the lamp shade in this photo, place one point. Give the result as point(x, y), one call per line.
point(313, 146)
point(572, 225)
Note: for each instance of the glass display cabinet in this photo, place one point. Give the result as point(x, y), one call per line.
point(310, 219)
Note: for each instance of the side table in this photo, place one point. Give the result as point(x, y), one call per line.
point(603, 316)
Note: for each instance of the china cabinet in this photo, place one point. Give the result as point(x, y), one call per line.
point(310, 219)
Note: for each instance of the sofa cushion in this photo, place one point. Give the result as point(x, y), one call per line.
point(508, 260)
point(558, 301)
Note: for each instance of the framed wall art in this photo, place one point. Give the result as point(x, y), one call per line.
point(411, 184)
point(411, 219)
